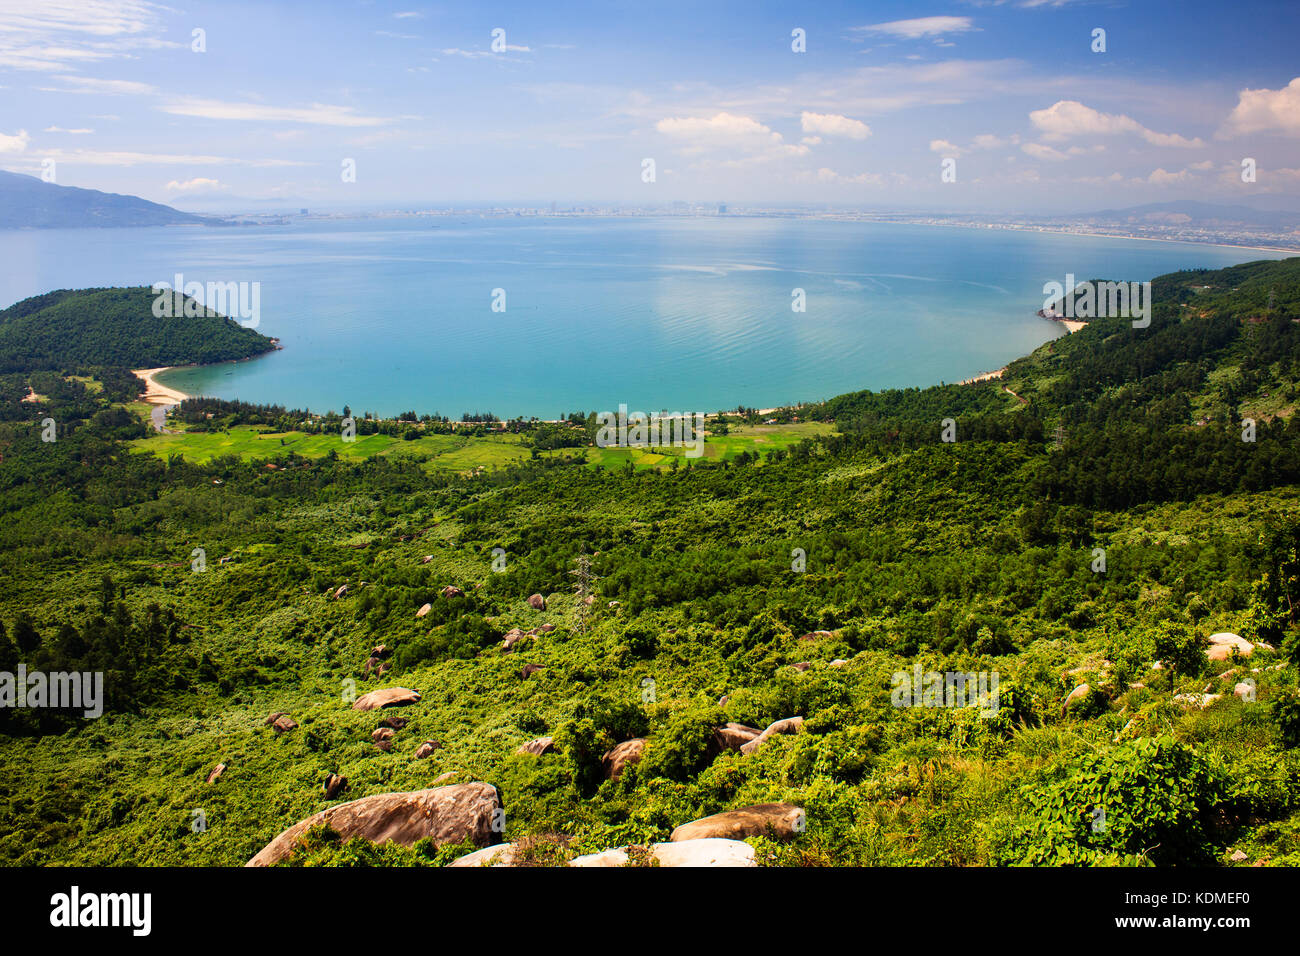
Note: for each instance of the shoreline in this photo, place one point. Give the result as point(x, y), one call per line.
point(155, 392)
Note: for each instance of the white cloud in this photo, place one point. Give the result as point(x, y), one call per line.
point(474, 54)
point(727, 131)
point(1260, 111)
point(828, 176)
point(832, 124)
point(87, 84)
point(317, 114)
point(71, 132)
point(1067, 119)
point(919, 27)
point(1042, 151)
point(1162, 177)
point(51, 35)
point(14, 144)
point(199, 184)
point(90, 157)
point(945, 148)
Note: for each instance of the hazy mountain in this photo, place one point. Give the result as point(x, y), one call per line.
point(1187, 211)
point(27, 202)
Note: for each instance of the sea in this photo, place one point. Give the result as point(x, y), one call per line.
point(543, 316)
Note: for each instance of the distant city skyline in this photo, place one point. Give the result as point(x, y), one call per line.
point(343, 104)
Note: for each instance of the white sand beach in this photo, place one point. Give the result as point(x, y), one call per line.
point(986, 376)
point(155, 392)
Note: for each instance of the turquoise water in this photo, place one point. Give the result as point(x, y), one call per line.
point(387, 315)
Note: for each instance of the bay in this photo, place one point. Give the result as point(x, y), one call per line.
point(686, 314)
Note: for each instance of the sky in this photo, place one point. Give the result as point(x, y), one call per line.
point(982, 105)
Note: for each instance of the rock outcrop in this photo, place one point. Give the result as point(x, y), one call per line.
point(503, 855)
point(777, 820)
point(450, 814)
point(708, 852)
point(789, 725)
point(388, 697)
point(334, 785)
point(542, 745)
point(628, 752)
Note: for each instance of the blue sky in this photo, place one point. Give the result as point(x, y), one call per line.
point(113, 93)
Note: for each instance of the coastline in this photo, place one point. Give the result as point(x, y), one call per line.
point(155, 392)
point(984, 376)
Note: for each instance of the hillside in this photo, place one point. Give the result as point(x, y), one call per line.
point(27, 202)
point(799, 582)
point(117, 327)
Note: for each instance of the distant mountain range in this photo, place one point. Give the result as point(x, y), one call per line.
point(1190, 212)
point(27, 202)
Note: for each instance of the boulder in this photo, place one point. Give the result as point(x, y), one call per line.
point(343, 589)
point(385, 745)
point(838, 662)
point(528, 670)
point(424, 609)
point(426, 559)
point(1238, 856)
point(789, 725)
point(453, 814)
point(628, 752)
point(395, 722)
point(801, 666)
point(216, 773)
point(334, 785)
point(426, 748)
point(1233, 640)
point(1224, 643)
point(503, 855)
point(537, 602)
point(732, 737)
point(383, 733)
point(708, 852)
point(388, 697)
point(281, 723)
point(445, 777)
point(542, 745)
point(1079, 693)
point(813, 635)
point(379, 650)
point(513, 637)
point(1244, 690)
point(546, 628)
point(450, 592)
point(777, 820)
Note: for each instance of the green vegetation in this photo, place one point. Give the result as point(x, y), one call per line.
point(711, 580)
point(118, 328)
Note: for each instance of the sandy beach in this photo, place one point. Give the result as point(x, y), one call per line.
point(155, 392)
point(984, 377)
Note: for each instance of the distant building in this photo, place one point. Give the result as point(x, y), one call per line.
point(722, 209)
point(302, 212)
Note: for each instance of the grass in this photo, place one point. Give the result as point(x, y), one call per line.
point(455, 452)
